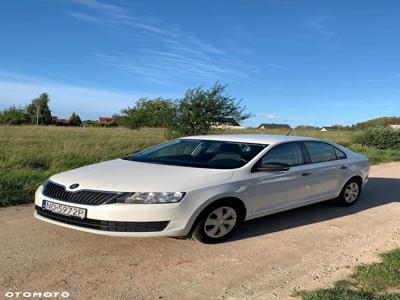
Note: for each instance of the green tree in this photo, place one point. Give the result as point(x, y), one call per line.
point(74, 120)
point(201, 108)
point(39, 110)
point(14, 116)
point(147, 112)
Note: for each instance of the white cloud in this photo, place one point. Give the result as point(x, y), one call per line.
point(110, 9)
point(176, 63)
point(114, 15)
point(275, 66)
point(179, 55)
point(319, 25)
point(272, 116)
point(82, 16)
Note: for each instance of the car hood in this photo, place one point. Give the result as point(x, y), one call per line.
point(130, 176)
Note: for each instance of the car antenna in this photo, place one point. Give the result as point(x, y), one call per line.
point(290, 131)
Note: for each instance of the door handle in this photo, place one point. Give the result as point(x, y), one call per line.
point(306, 174)
point(343, 167)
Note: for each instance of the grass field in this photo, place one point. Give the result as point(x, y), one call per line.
point(375, 281)
point(29, 154)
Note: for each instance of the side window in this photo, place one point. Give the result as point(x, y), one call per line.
point(289, 154)
point(320, 152)
point(213, 148)
point(340, 154)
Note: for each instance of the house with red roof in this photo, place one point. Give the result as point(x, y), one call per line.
point(105, 120)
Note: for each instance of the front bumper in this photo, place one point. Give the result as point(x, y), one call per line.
point(103, 225)
point(131, 220)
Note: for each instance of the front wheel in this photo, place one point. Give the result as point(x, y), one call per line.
point(216, 224)
point(350, 193)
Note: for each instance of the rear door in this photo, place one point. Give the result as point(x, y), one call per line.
point(325, 169)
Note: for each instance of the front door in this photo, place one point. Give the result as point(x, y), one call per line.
point(275, 190)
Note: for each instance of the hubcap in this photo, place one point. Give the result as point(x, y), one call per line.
point(351, 192)
point(220, 222)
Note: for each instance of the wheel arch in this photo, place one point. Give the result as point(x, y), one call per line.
point(233, 200)
point(358, 178)
point(354, 177)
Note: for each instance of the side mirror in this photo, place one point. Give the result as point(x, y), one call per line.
point(272, 167)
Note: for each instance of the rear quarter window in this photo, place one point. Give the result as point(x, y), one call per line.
point(339, 153)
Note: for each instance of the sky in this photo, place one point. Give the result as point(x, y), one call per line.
point(298, 62)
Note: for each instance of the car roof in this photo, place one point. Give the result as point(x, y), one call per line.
point(251, 138)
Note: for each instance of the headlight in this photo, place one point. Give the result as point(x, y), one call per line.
point(150, 197)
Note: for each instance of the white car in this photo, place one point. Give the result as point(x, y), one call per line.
point(201, 186)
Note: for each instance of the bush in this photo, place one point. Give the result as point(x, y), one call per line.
point(74, 120)
point(376, 155)
point(379, 137)
point(196, 113)
point(200, 109)
point(155, 113)
point(14, 116)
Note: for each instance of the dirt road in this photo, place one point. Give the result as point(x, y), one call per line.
point(267, 259)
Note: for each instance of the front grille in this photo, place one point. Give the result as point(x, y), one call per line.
point(58, 192)
point(104, 225)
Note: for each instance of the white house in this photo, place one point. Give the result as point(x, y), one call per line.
point(395, 124)
point(229, 123)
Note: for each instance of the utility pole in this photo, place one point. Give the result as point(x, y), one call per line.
point(37, 115)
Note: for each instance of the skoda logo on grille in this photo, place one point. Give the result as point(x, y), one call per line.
point(73, 186)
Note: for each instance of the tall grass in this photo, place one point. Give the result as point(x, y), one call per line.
point(30, 154)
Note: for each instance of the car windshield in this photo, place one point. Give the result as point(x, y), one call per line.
point(200, 153)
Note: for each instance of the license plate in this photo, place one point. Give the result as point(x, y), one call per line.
point(64, 209)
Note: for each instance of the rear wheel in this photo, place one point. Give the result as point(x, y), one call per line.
point(350, 193)
point(216, 223)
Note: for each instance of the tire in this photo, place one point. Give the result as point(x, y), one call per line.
point(217, 222)
point(350, 193)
